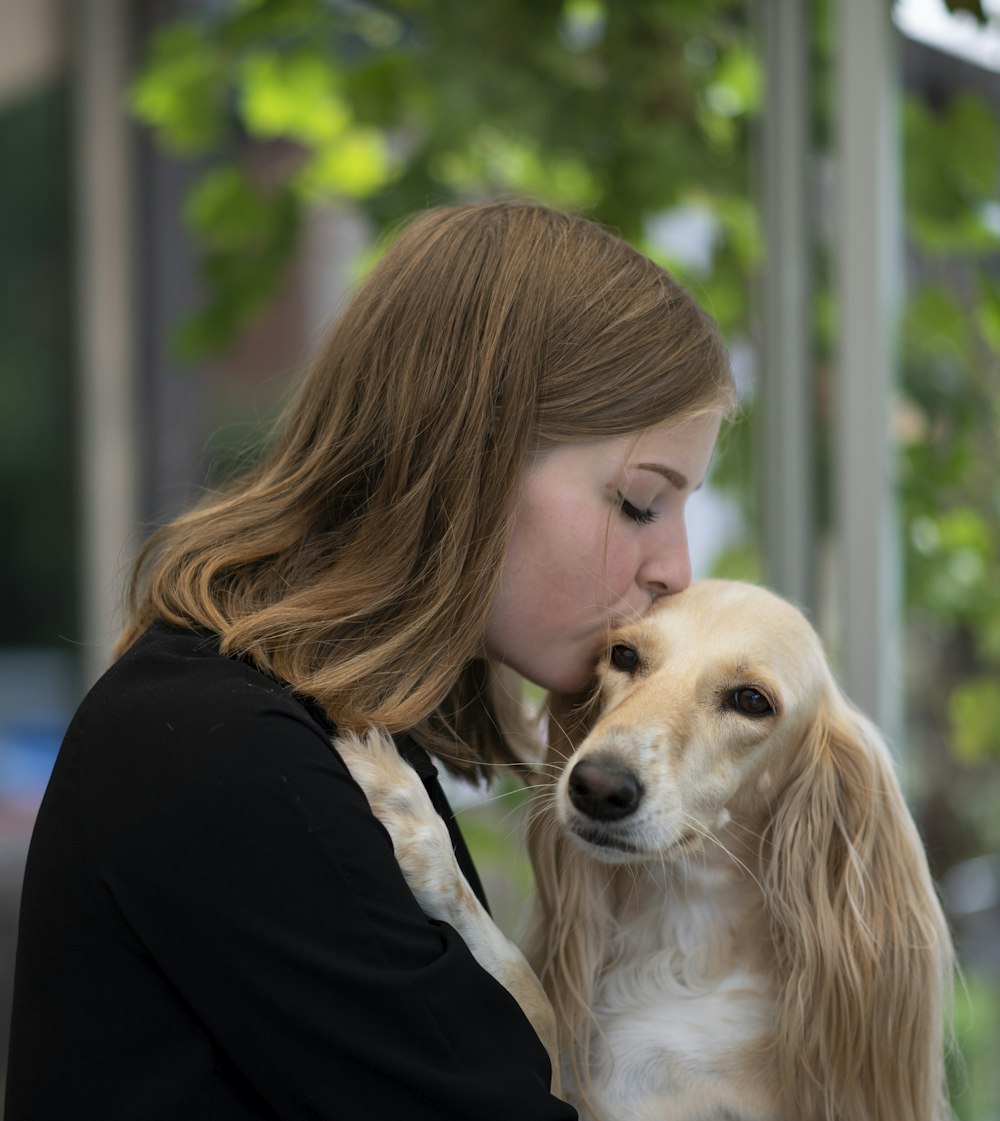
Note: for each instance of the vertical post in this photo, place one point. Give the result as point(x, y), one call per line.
point(105, 317)
point(868, 241)
point(786, 424)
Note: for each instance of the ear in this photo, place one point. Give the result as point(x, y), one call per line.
point(864, 959)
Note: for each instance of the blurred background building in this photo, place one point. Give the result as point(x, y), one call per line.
point(187, 191)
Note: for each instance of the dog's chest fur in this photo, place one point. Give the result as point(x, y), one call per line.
point(685, 1006)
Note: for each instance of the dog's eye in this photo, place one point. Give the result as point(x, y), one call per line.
point(751, 702)
point(624, 658)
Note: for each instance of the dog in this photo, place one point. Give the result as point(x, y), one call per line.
point(735, 920)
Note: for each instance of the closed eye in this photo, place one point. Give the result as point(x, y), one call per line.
point(635, 513)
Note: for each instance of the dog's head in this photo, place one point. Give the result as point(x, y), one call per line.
point(703, 702)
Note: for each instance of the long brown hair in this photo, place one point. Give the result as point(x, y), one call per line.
point(359, 560)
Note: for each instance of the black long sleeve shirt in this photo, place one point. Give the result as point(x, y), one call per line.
point(214, 925)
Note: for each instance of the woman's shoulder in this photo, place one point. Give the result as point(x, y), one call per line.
point(173, 680)
point(178, 749)
point(174, 720)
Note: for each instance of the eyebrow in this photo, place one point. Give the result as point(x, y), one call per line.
point(675, 478)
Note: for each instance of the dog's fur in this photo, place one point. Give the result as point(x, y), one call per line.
point(423, 848)
point(735, 919)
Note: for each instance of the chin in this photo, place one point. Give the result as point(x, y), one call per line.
point(565, 681)
point(574, 675)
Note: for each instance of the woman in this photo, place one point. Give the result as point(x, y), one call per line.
point(487, 465)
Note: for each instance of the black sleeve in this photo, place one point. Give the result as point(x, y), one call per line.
point(228, 843)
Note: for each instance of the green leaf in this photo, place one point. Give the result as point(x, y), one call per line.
point(497, 161)
point(248, 235)
point(935, 324)
point(354, 165)
point(226, 210)
point(974, 134)
point(738, 87)
point(974, 708)
point(292, 96)
point(952, 173)
point(181, 91)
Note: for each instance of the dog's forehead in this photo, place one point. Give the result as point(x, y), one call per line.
point(724, 615)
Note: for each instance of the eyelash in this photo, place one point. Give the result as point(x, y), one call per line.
point(634, 514)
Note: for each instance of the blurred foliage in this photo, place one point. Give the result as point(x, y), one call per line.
point(402, 106)
point(948, 423)
point(974, 1076)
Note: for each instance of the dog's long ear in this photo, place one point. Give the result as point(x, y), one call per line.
point(573, 909)
point(864, 956)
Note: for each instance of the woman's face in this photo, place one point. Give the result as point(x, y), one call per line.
point(599, 533)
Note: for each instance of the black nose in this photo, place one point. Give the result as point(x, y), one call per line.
point(603, 790)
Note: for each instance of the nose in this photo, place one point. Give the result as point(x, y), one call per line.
point(603, 790)
point(667, 567)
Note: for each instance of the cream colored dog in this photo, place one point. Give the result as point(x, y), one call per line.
point(735, 919)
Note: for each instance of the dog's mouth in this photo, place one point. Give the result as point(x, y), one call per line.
point(594, 835)
point(611, 844)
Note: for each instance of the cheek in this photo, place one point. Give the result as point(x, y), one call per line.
point(618, 563)
point(563, 555)
point(537, 588)
point(591, 576)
